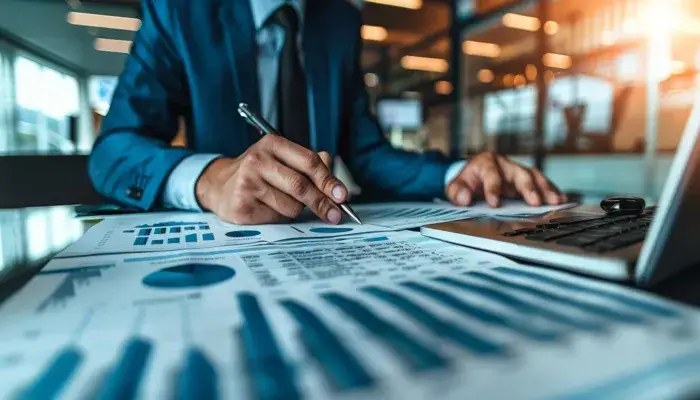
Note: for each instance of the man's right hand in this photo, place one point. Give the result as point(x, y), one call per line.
point(271, 182)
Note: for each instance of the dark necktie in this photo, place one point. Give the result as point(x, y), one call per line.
point(292, 102)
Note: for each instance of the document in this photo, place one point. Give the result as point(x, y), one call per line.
point(181, 230)
point(414, 215)
point(373, 315)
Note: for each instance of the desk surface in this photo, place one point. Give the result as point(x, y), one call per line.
point(30, 237)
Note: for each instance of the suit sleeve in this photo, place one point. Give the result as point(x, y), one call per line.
point(132, 157)
point(383, 171)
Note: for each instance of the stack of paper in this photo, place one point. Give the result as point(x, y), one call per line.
point(374, 315)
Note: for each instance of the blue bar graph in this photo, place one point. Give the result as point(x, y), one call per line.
point(173, 240)
point(145, 232)
point(485, 316)
point(159, 231)
point(140, 241)
point(198, 378)
point(124, 380)
point(341, 367)
point(175, 229)
point(66, 290)
point(189, 228)
point(54, 378)
point(271, 377)
point(440, 327)
point(589, 308)
point(191, 238)
point(644, 305)
point(157, 241)
point(418, 356)
point(204, 227)
point(208, 236)
point(524, 306)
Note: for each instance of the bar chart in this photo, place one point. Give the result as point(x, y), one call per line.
point(170, 233)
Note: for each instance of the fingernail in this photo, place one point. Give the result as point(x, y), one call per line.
point(462, 198)
point(493, 200)
point(563, 198)
point(333, 216)
point(338, 193)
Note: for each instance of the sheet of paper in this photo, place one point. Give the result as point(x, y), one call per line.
point(410, 215)
point(516, 208)
point(378, 315)
point(179, 231)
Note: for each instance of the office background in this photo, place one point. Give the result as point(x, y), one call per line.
point(596, 93)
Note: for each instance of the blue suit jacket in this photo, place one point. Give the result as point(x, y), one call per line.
point(198, 60)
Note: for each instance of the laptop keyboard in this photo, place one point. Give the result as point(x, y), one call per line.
point(599, 235)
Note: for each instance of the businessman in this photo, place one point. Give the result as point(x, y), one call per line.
point(297, 64)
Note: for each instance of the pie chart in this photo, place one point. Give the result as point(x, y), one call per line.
point(188, 276)
point(330, 229)
point(242, 234)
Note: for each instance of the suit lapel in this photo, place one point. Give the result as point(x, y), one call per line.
point(318, 67)
point(239, 32)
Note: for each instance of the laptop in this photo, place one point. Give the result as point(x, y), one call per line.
point(642, 248)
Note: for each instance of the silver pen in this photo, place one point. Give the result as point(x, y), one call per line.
point(264, 128)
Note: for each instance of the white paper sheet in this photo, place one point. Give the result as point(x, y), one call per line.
point(179, 231)
point(556, 335)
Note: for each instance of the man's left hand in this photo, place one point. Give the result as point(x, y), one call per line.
point(493, 176)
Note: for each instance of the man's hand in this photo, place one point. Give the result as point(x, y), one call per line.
point(492, 176)
point(271, 182)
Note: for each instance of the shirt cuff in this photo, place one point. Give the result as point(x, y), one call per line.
point(454, 170)
point(180, 187)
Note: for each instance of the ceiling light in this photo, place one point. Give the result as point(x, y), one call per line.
point(443, 87)
point(608, 38)
point(485, 76)
point(371, 80)
point(375, 33)
point(412, 4)
point(424, 64)
point(523, 22)
point(551, 27)
point(678, 67)
point(519, 80)
point(531, 72)
point(508, 80)
point(113, 45)
point(104, 21)
point(482, 49)
point(554, 60)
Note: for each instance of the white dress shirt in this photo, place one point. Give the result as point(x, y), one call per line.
point(179, 190)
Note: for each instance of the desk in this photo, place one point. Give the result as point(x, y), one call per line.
point(36, 241)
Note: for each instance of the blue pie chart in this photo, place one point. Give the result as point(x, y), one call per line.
point(188, 276)
point(242, 234)
point(330, 229)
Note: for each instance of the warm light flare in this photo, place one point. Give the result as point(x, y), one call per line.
point(374, 33)
point(113, 45)
point(103, 21)
point(482, 49)
point(424, 64)
point(522, 22)
point(554, 60)
point(485, 76)
point(443, 87)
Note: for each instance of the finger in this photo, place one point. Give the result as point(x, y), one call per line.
point(458, 192)
point(549, 190)
point(493, 184)
point(326, 158)
point(311, 165)
point(302, 189)
point(524, 182)
point(281, 202)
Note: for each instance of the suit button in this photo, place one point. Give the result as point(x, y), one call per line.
point(134, 192)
